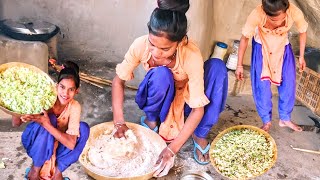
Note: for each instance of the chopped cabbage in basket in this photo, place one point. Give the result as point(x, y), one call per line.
point(25, 91)
point(243, 153)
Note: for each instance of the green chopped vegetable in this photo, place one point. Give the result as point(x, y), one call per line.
point(25, 91)
point(243, 153)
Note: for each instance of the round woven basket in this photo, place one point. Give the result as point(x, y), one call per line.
point(97, 130)
point(5, 66)
point(267, 136)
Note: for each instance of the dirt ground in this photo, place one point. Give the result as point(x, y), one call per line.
point(96, 106)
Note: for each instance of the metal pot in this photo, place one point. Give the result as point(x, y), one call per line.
point(29, 29)
point(195, 175)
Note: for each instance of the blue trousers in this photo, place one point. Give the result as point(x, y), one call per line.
point(156, 92)
point(39, 143)
point(262, 91)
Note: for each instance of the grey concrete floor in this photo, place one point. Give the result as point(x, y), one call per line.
point(96, 106)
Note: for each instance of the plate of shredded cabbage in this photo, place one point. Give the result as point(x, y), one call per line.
point(243, 152)
point(25, 89)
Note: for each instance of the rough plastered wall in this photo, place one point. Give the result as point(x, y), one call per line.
point(1, 9)
point(311, 10)
point(90, 29)
point(201, 28)
point(104, 29)
point(229, 17)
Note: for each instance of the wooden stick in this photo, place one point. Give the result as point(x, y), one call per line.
point(94, 80)
point(92, 83)
point(131, 87)
point(103, 81)
point(305, 150)
point(95, 77)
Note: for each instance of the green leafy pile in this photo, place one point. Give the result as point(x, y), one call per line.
point(243, 153)
point(25, 91)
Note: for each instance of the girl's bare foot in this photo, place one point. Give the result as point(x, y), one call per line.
point(290, 125)
point(203, 143)
point(16, 121)
point(266, 127)
point(57, 175)
point(34, 173)
point(151, 124)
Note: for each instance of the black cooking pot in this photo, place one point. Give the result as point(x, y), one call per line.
point(28, 30)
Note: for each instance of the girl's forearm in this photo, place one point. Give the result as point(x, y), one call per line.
point(67, 140)
point(242, 49)
point(117, 99)
point(303, 40)
point(190, 125)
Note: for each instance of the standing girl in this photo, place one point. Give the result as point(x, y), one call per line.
point(55, 139)
point(272, 60)
point(177, 84)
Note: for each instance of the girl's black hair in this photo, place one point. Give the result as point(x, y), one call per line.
point(70, 71)
point(272, 7)
point(174, 5)
point(169, 19)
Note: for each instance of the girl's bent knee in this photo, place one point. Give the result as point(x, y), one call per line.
point(162, 74)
